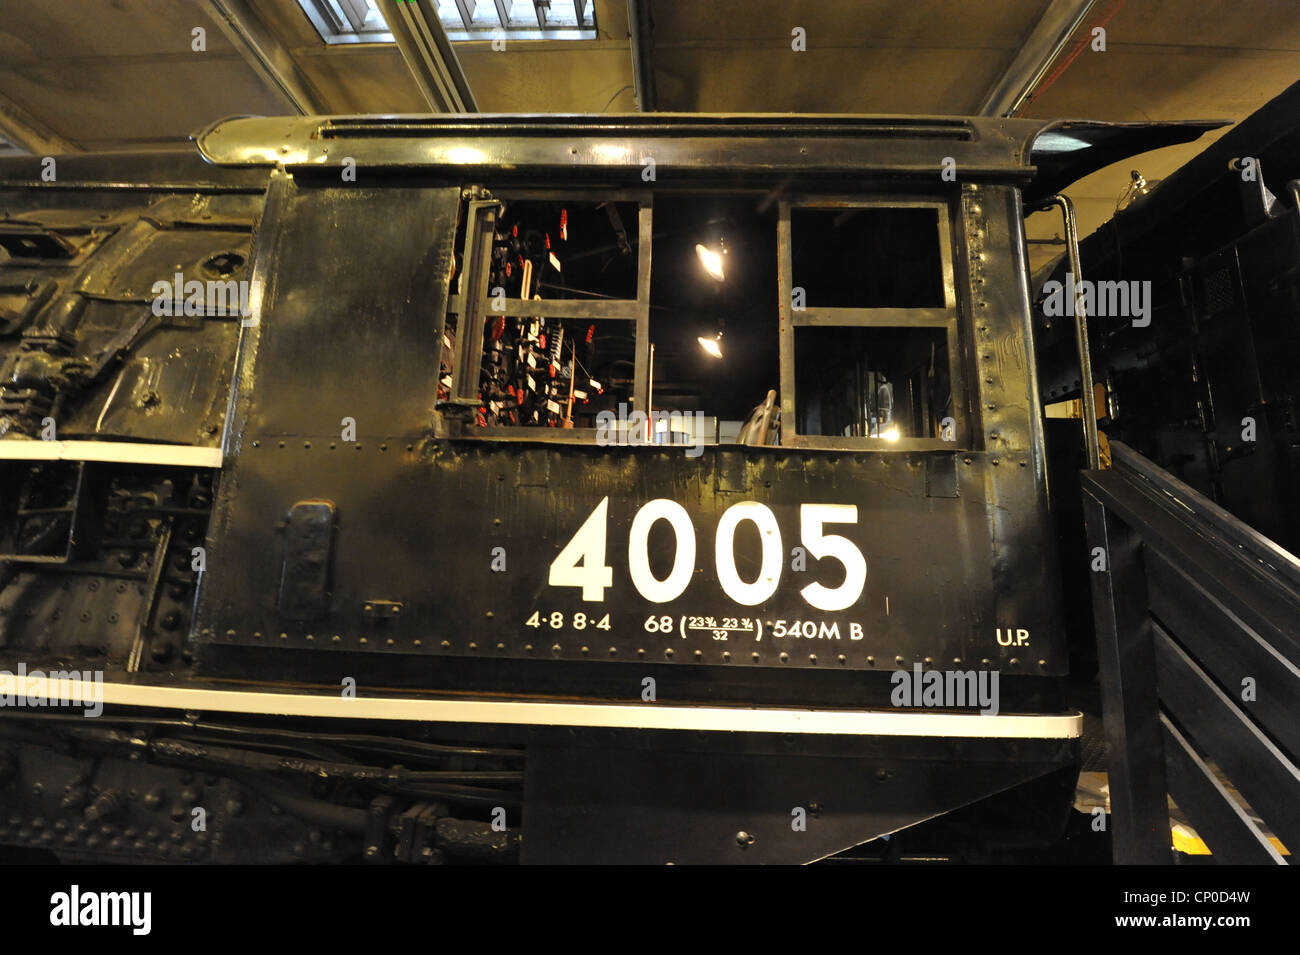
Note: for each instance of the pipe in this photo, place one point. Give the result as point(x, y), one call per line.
point(641, 32)
point(1036, 56)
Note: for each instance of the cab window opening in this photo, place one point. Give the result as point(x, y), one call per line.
point(578, 330)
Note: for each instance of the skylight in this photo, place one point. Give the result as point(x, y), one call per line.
point(359, 21)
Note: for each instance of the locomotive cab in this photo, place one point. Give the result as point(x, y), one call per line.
point(565, 489)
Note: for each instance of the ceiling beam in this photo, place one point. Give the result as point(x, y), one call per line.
point(1035, 57)
point(640, 28)
point(429, 56)
point(264, 52)
point(23, 130)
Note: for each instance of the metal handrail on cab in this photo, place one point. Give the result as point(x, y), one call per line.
point(1087, 397)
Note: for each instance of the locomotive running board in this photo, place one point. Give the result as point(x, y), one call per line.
point(604, 715)
point(112, 452)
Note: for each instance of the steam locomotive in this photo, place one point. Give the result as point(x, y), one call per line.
point(1209, 391)
point(541, 489)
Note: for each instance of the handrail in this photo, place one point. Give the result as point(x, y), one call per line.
point(1250, 542)
point(1198, 639)
point(1090, 440)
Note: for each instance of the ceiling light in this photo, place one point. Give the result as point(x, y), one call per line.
point(712, 345)
point(711, 260)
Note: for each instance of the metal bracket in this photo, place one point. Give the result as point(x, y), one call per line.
point(308, 542)
point(24, 241)
point(383, 609)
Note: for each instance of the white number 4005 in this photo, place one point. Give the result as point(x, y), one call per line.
point(582, 561)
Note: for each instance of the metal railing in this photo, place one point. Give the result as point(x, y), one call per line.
point(1198, 630)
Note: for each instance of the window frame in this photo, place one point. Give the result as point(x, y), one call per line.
point(464, 29)
point(946, 317)
point(468, 362)
point(480, 225)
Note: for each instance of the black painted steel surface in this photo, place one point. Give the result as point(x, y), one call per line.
point(344, 525)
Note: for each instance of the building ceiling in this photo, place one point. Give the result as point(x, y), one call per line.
point(122, 74)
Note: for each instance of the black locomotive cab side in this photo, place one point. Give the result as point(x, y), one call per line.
point(647, 476)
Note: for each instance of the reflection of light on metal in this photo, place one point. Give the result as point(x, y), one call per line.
point(1057, 142)
point(890, 434)
point(1137, 188)
point(466, 155)
point(712, 345)
point(711, 260)
point(610, 152)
